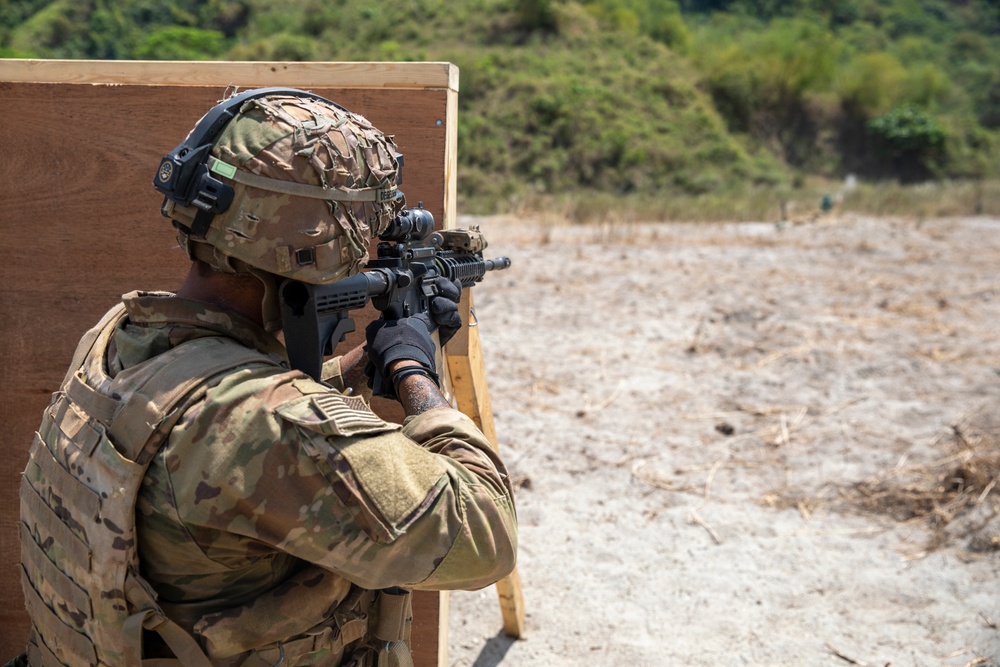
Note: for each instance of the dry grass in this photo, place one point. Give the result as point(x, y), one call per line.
point(765, 204)
point(955, 497)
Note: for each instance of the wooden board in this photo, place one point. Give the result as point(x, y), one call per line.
point(467, 379)
point(81, 224)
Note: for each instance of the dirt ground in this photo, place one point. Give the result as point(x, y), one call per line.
point(746, 444)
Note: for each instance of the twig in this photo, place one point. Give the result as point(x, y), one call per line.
point(799, 421)
point(785, 428)
point(860, 532)
point(900, 468)
point(734, 463)
point(630, 455)
point(656, 482)
point(847, 658)
point(986, 492)
point(695, 519)
point(711, 476)
point(605, 403)
point(841, 406)
point(774, 356)
point(764, 411)
point(978, 661)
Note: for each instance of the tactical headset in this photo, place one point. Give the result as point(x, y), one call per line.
point(184, 176)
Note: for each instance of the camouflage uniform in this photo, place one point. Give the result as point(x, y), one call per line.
point(271, 481)
point(350, 493)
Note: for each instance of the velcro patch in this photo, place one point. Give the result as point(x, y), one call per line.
point(350, 413)
point(334, 414)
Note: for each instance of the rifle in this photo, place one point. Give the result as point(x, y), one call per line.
point(398, 283)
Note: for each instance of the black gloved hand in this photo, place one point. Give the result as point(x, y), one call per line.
point(390, 341)
point(410, 337)
point(444, 308)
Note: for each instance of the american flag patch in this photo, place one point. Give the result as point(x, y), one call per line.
point(349, 415)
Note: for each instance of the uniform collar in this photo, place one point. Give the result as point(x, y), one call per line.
point(189, 319)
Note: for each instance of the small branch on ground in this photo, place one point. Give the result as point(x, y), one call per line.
point(847, 658)
point(697, 520)
point(978, 661)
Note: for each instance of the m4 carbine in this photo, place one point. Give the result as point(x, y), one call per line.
point(399, 283)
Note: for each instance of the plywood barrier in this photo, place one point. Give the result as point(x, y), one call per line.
point(81, 225)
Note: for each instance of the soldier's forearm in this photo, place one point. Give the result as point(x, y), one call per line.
point(417, 393)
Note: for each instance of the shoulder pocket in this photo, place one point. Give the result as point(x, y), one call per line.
point(331, 413)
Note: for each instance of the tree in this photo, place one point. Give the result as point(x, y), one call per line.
point(911, 139)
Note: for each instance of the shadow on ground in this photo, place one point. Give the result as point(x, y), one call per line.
point(494, 650)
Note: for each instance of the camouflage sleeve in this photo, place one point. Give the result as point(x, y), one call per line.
point(282, 463)
point(333, 375)
point(478, 493)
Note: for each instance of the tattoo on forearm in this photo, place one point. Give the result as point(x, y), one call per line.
point(419, 394)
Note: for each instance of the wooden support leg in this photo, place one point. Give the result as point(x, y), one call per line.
point(430, 629)
point(464, 359)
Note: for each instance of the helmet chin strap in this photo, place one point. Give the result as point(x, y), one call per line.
point(270, 307)
point(205, 252)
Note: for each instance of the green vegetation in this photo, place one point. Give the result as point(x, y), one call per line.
point(666, 108)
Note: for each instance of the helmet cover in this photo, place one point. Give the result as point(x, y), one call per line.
point(313, 184)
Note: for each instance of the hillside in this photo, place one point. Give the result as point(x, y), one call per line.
point(655, 99)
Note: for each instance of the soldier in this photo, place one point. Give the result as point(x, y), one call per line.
point(191, 499)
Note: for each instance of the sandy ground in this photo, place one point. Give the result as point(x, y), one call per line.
point(750, 444)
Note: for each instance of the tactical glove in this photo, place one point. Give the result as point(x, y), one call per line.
point(444, 308)
point(410, 338)
point(390, 341)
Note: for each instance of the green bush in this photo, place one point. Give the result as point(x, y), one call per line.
point(180, 43)
point(58, 30)
point(281, 46)
point(908, 130)
point(911, 139)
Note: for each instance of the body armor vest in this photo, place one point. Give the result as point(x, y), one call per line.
point(80, 573)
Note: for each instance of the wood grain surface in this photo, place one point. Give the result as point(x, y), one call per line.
point(81, 226)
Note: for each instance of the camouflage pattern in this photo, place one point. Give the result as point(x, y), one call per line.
point(276, 505)
point(77, 532)
point(301, 140)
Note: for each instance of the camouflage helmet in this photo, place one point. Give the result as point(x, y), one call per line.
point(311, 184)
